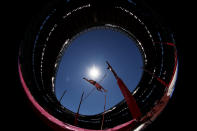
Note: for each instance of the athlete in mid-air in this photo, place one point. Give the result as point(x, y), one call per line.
point(97, 85)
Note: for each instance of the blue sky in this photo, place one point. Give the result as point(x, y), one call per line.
point(93, 48)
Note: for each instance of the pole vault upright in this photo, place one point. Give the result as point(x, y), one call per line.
point(130, 100)
point(77, 114)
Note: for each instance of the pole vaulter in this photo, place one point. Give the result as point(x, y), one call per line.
point(96, 84)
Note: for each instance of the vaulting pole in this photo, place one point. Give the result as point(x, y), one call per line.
point(103, 114)
point(130, 100)
point(77, 114)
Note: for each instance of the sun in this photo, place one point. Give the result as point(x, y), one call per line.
point(94, 72)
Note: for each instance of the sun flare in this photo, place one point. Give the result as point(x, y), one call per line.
point(94, 72)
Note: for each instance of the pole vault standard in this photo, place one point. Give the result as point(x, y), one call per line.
point(62, 96)
point(77, 114)
point(130, 100)
point(103, 115)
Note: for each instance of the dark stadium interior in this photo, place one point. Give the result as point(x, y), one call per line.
point(41, 76)
point(44, 92)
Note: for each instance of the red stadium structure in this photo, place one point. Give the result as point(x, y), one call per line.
point(130, 100)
